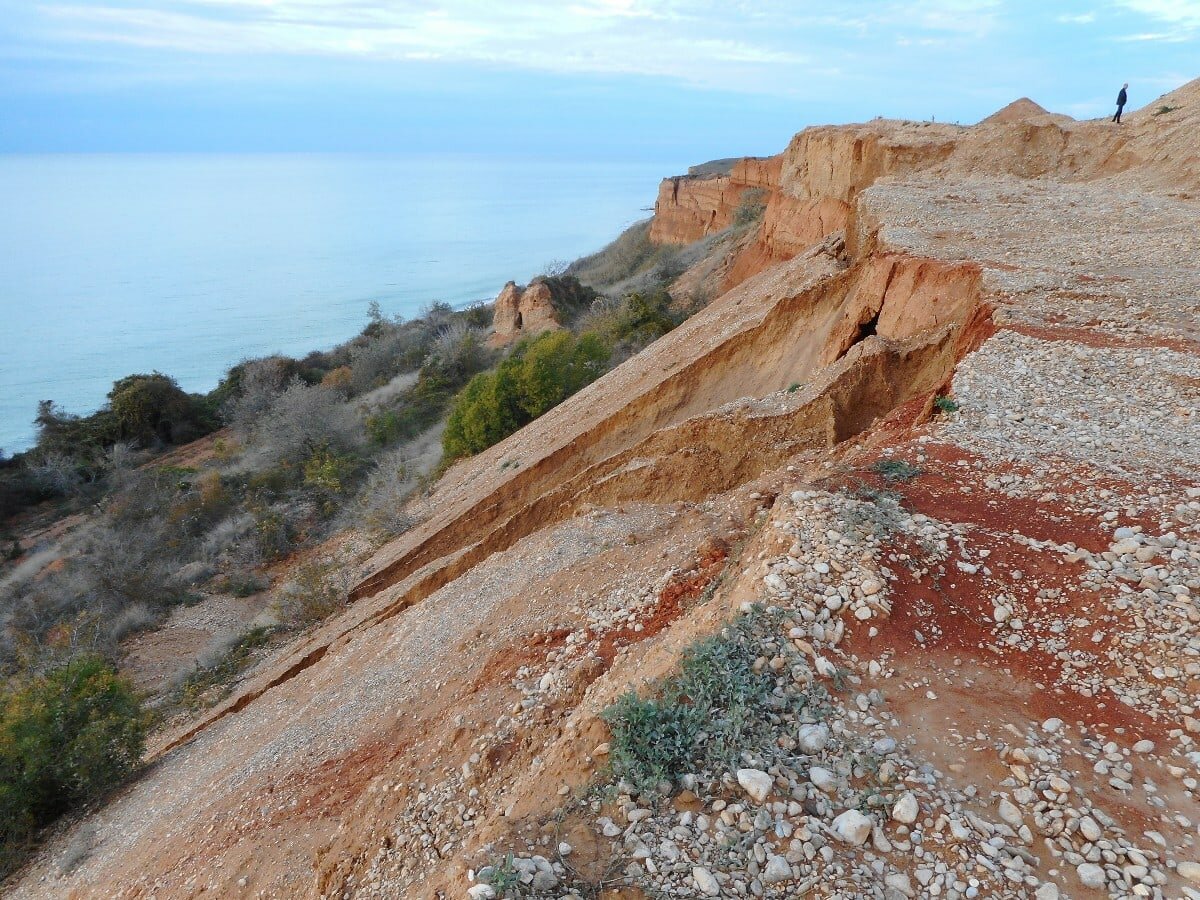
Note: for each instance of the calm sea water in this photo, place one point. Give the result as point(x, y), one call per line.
point(111, 265)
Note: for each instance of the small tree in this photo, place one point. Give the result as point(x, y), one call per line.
point(153, 407)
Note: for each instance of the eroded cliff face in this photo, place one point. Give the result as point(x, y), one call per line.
point(996, 599)
point(809, 190)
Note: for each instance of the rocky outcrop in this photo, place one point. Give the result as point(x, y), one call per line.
point(690, 208)
point(522, 312)
point(549, 303)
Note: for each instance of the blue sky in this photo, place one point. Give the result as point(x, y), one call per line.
point(669, 79)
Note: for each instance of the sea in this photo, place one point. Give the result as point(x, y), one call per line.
point(112, 265)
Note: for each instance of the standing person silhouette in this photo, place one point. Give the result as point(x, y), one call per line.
point(1122, 99)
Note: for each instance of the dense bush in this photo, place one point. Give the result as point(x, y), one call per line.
point(556, 366)
point(538, 375)
point(19, 488)
point(123, 568)
point(300, 419)
point(63, 432)
point(389, 348)
point(251, 387)
point(66, 738)
point(483, 414)
point(380, 505)
point(58, 474)
point(413, 412)
point(457, 354)
point(144, 409)
point(153, 408)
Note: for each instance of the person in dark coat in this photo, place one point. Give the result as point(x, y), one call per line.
point(1122, 99)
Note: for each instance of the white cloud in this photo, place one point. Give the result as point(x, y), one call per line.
point(1078, 19)
point(755, 44)
point(1168, 37)
point(976, 17)
point(1184, 14)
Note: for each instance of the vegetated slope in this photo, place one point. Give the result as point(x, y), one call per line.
point(982, 636)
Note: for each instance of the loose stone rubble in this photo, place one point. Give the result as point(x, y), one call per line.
point(842, 805)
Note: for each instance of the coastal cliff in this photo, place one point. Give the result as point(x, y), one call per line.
point(907, 517)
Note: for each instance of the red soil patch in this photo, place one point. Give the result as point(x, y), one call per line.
point(937, 493)
point(1103, 338)
point(954, 617)
point(673, 600)
point(503, 664)
point(332, 786)
point(953, 612)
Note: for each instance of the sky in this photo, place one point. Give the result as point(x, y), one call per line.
point(593, 79)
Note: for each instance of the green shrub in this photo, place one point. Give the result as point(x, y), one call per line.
point(945, 404)
point(717, 705)
point(150, 408)
point(483, 414)
point(895, 469)
point(272, 482)
point(557, 366)
point(539, 375)
point(273, 531)
point(66, 738)
point(504, 877)
point(328, 472)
